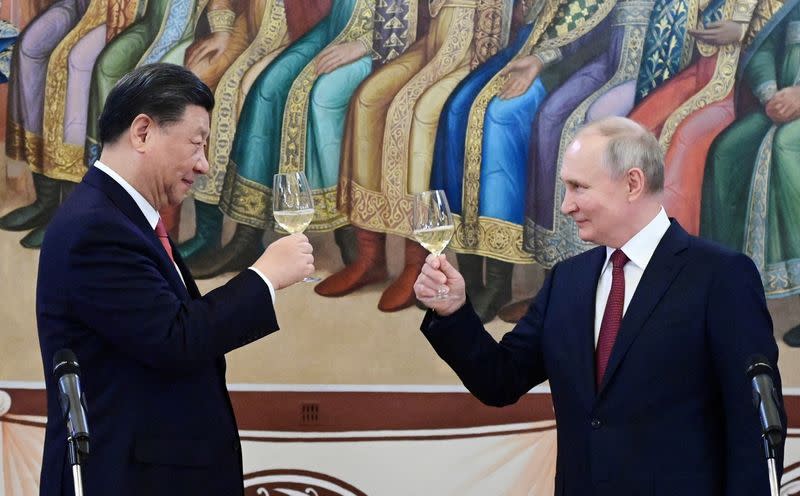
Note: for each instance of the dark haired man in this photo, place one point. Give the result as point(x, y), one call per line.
point(113, 288)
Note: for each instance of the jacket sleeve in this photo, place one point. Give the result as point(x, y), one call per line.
point(498, 374)
point(739, 326)
point(119, 293)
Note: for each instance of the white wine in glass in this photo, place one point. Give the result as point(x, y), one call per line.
point(294, 221)
point(432, 225)
point(293, 204)
point(435, 239)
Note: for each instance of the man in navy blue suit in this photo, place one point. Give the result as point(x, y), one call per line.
point(113, 288)
point(645, 339)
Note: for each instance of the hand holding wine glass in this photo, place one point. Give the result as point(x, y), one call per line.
point(293, 204)
point(286, 261)
point(432, 225)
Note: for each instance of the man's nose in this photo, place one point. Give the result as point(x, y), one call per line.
point(202, 165)
point(567, 205)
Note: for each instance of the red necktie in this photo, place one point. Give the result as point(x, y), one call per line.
point(612, 316)
point(161, 232)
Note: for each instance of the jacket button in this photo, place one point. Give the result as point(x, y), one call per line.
point(596, 423)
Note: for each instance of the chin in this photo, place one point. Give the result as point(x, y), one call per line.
point(586, 237)
point(175, 202)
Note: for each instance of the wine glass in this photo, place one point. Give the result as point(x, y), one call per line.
point(293, 204)
point(432, 225)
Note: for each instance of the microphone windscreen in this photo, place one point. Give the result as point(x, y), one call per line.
point(758, 364)
point(65, 362)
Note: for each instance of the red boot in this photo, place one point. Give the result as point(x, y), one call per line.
point(369, 267)
point(400, 294)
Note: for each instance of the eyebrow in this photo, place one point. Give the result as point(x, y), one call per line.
point(573, 182)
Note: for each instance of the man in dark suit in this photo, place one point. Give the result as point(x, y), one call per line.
point(645, 339)
point(113, 289)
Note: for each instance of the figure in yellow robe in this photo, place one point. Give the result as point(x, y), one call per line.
point(388, 146)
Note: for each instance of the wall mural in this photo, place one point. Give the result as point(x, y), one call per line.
point(379, 99)
point(376, 100)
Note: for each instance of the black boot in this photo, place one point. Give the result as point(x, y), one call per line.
point(40, 211)
point(497, 291)
point(345, 237)
point(514, 312)
point(471, 267)
point(33, 240)
point(208, 234)
point(67, 187)
point(244, 249)
point(792, 337)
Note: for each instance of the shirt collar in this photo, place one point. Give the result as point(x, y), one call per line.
point(640, 248)
point(150, 213)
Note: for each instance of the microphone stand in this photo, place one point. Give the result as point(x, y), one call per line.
point(769, 450)
point(75, 458)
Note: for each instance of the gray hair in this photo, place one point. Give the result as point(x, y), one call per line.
point(629, 145)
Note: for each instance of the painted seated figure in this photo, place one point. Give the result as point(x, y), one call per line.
point(269, 25)
point(749, 200)
point(691, 109)
point(309, 86)
point(483, 141)
point(388, 147)
point(26, 89)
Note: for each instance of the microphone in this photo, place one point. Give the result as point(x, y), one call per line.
point(73, 403)
point(765, 399)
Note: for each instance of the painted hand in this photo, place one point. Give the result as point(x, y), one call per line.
point(521, 75)
point(208, 48)
point(785, 105)
point(336, 56)
point(719, 33)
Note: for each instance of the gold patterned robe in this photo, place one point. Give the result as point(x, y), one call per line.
point(391, 125)
point(556, 25)
point(270, 36)
point(689, 111)
point(61, 159)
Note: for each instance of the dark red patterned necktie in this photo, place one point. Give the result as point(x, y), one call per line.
point(161, 232)
point(612, 316)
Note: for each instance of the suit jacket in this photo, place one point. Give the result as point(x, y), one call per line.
point(674, 414)
point(150, 351)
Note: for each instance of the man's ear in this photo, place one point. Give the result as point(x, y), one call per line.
point(636, 183)
point(141, 131)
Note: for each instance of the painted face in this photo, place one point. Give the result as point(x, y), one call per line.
point(596, 202)
point(177, 155)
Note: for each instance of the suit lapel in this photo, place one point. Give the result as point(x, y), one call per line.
point(584, 297)
point(123, 201)
point(664, 266)
point(191, 286)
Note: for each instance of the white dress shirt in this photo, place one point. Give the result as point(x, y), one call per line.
point(152, 216)
point(639, 250)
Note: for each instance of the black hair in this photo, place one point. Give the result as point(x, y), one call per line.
point(160, 91)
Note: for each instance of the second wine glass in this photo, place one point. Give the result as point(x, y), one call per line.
point(432, 225)
point(293, 204)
